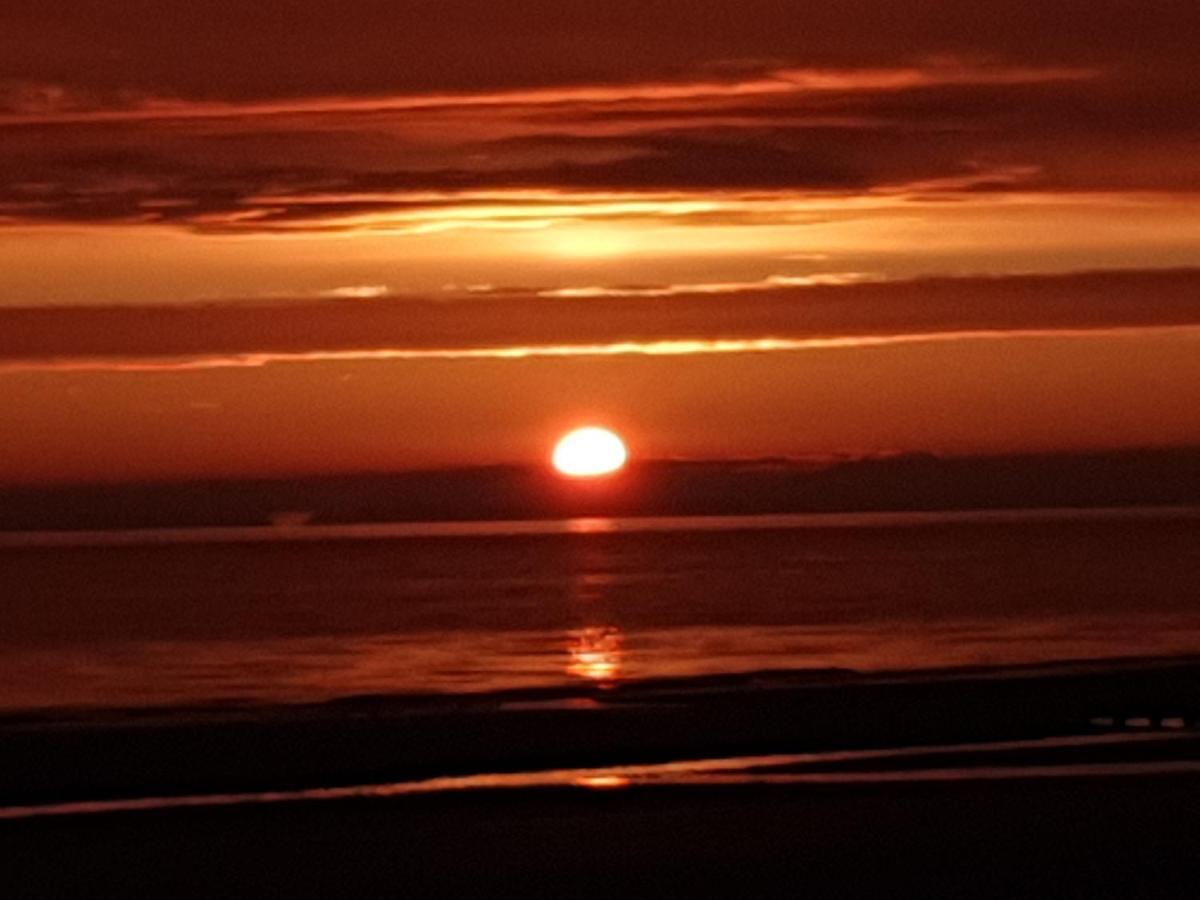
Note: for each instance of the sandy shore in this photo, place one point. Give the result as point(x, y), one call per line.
point(1091, 837)
point(1106, 808)
point(367, 740)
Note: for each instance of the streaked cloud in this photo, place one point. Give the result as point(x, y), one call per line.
point(780, 314)
point(54, 105)
point(356, 292)
point(727, 287)
point(710, 347)
point(368, 47)
point(768, 135)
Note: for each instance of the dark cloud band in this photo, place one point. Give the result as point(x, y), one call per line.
point(769, 316)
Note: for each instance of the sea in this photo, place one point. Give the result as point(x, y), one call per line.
point(296, 614)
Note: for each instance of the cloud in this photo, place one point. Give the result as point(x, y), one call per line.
point(356, 292)
point(230, 124)
point(710, 347)
point(727, 287)
point(416, 163)
point(30, 104)
point(207, 50)
point(782, 314)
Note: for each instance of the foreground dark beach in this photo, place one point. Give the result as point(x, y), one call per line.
point(1083, 837)
point(1064, 780)
point(59, 757)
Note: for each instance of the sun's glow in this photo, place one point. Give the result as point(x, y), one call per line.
point(589, 243)
point(589, 453)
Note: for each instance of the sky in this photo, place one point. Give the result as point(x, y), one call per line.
point(305, 237)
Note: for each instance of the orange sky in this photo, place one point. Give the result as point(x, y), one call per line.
point(440, 233)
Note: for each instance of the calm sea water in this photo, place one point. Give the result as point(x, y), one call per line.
point(306, 614)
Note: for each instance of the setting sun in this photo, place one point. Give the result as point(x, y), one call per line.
point(590, 452)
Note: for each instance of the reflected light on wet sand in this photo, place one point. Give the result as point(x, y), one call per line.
point(604, 782)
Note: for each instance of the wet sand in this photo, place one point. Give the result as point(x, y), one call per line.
point(1084, 837)
point(381, 739)
point(1106, 807)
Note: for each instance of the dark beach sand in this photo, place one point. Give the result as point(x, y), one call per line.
point(379, 739)
point(899, 832)
point(1113, 837)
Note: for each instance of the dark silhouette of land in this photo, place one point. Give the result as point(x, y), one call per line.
point(652, 488)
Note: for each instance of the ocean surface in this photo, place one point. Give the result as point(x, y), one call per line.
point(310, 613)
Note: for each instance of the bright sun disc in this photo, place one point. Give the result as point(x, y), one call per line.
point(590, 452)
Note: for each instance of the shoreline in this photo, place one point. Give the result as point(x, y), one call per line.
point(573, 694)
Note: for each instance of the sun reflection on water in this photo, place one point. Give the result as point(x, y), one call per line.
point(595, 654)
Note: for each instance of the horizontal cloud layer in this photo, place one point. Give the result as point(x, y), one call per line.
point(398, 115)
point(772, 316)
point(213, 50)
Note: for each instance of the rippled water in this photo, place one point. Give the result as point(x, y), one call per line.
point(278, 615)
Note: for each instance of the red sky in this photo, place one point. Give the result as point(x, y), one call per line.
point(308, 236)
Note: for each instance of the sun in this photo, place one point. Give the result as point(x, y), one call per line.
point(589, 453)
